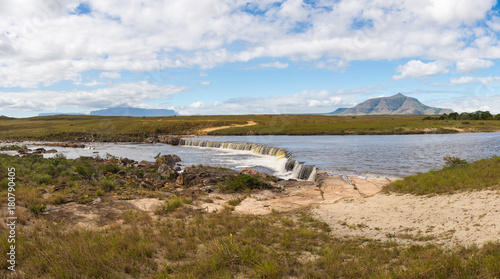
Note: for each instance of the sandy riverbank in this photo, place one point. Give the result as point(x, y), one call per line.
point(358, 209)
point(463, 218)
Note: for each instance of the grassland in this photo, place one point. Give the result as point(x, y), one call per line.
point(101, 128)
point(454, 177)
point(179, 241)
point(98, 128)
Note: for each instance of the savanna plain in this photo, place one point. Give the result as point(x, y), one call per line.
point(109, 217)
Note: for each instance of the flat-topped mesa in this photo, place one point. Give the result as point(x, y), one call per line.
point(299, 171)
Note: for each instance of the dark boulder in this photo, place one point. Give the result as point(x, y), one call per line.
point(172, 140)
point(152, 140)
point(170, 160)
point(23, 151)
point(127, 161)
point(40, 150)
point(146, 165)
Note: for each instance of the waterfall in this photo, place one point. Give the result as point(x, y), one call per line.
point(300, 171)
point(297, 169)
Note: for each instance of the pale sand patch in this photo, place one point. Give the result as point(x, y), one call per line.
point(463, 218)
point(298, 194)
point(99, 214)
point(147, 204)
point(204, 131)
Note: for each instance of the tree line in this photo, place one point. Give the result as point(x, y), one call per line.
point(477, 115)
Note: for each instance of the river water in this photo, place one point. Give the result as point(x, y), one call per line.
point(386, 155)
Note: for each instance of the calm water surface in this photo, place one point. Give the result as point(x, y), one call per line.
point(395, 155)
point(392, 155)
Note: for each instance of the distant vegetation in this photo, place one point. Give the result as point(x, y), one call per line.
point(102, 128)
point(355, 125)
point(456, 175)
point(478, 115)
point(106, 128)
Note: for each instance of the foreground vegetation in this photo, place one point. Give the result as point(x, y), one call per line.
point(190, 244)
point(179, 241)
point(100, 128)
point(457, 175)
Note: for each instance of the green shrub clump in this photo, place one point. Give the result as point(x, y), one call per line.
point(172, 204)
point(451, 161)
point(242, 183)
point(86, 170)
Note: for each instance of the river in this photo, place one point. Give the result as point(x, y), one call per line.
point(384, 155)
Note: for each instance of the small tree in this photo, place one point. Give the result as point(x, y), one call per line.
point(451, 161)
point(486, 115)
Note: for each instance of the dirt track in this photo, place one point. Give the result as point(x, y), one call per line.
point(204, 131)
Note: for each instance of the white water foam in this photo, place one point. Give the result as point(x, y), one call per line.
point(273, 158)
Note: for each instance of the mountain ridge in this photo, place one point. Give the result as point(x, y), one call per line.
point(398, 104)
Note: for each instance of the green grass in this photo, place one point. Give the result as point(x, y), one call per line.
point(100, 128)
point(80, 180)
point(236, 201)
point(360, 125)
point(13, 147)
point(457, 176)
point(242, 183)
point(172, 204)
point(182, 242)
point(226, 245)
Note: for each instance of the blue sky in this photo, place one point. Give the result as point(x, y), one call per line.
point(246, 57)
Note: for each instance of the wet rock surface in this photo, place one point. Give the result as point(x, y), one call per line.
point(173, 140)
point(203, 176)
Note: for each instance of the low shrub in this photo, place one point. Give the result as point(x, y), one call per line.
point(112, 168)
point(172, 204)
point(107, 184)
point(242, 183)
point(451, 161)
point(235, 201)
point(86, 170)
point(37, 209)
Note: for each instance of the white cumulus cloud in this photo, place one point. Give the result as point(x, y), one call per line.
point(276, 64)
point(43, 42)
point(307, 101)
point(110, 75)
point(418, 69)
point(122, 94)
point(471, 79)
point(471, 64)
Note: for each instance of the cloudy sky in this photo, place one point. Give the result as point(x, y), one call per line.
point(246, 57)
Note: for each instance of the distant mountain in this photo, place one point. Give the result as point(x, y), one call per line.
point(394, 105)
point(137, 112)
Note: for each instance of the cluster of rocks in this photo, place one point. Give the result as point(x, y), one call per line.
point(166, 167)
point(64, 144)
point(191, 181)
point(204, 178)
point(207, 178)
point(172, 140)
point(41, 150)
